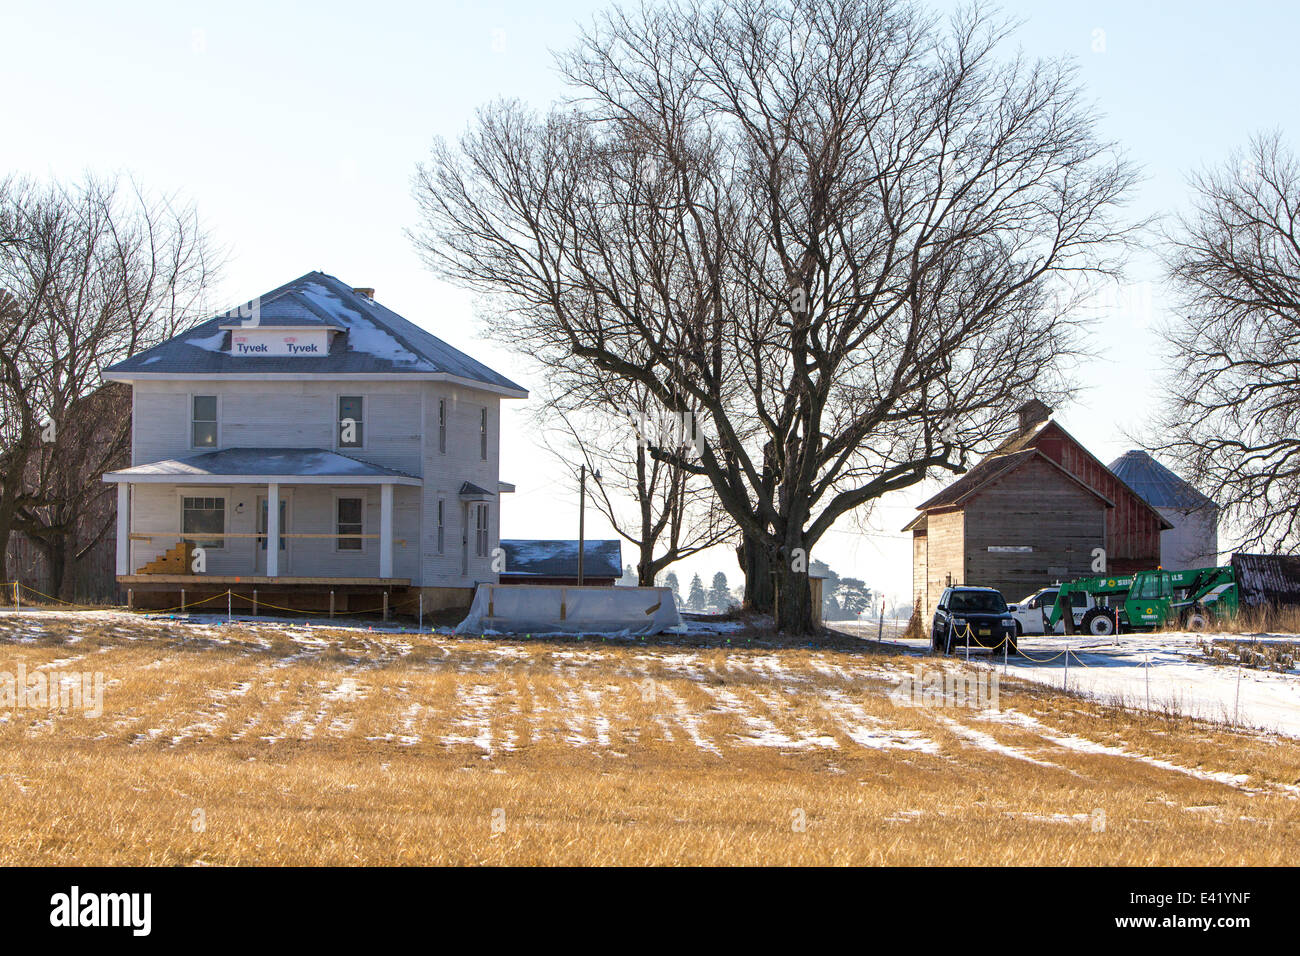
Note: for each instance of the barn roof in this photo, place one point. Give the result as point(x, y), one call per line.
point(1156, 484)
point(372, 340)
point(985, 473)
point(559, 558)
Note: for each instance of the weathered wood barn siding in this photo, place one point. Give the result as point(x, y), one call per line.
point(1132, 527)
point(1035, 507)
point(943, 546)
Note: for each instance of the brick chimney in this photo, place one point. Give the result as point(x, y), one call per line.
point(368, 293)
point(1032, 413)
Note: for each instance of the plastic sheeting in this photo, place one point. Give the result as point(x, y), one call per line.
point(540, 609)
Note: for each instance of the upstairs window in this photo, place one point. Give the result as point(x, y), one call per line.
point(203, 421)
point(482, 435)
point(442, 426)
point(350, 521)
point(351, 421)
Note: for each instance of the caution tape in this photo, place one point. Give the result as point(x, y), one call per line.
point(18, 587)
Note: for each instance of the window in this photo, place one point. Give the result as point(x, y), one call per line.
point(442, 426)
point(350, 519)
point(442, 523)
point(203, 421)
point(204, 516)
point(1149, 586)
point(482, 435)
point(351, 421)
point(481, 530)
point(976, 602)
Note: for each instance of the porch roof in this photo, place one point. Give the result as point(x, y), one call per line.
point(258, 466)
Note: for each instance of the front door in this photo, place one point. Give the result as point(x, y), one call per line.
point(259, 553)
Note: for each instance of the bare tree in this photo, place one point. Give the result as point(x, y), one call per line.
point(664, 510)
point(89, 274)
point(839, 230)
point(1232, 422)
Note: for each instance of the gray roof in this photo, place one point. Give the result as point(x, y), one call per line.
point(559, 558)
point(292, 464)
point(374, 340)
point(1155, 484)
point(1265, 579)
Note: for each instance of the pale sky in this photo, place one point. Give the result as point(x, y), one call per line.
point(295, 130)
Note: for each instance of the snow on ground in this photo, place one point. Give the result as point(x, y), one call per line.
point(1160, 671)
point(1163, 672)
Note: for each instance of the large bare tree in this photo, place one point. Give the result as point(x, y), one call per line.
point(847, 233)
point(1232, 422)
point(90, 273)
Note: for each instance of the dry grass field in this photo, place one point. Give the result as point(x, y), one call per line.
point(234, 744)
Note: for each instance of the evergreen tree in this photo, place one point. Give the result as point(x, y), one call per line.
point(671, 583)
point(695, 600)
point(719, 594)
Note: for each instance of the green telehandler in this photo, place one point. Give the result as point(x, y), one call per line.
point(1190, 599)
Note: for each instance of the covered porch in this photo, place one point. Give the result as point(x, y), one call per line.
point(208, 522)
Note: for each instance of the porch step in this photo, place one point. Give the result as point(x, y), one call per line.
point(175, 560)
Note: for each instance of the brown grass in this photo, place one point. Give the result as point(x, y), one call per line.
point(340, 746)
point(1266, 620)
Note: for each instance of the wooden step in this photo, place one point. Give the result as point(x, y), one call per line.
point(176, 560)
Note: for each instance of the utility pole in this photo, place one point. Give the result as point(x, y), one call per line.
point(582, 514)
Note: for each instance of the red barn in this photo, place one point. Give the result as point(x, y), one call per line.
point(1030, 514)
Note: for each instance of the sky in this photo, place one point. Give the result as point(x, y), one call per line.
point(295, 130)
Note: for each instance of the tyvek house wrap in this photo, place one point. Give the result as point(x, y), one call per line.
point(534, 609)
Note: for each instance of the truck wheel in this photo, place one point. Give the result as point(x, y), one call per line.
point(1198, 619)
point(1098, 623)
point(1013, 645)
point(1020, 632)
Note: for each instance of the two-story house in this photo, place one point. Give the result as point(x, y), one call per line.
point(316, 418)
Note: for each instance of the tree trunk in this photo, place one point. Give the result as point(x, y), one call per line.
point(7, 509)
point(57, 559)
point(645, 566)
point(794, 610)
point(4, 550)
point(757, 563)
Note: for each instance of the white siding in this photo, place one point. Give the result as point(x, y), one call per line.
point(444, 474)
point(401, 432)
point(280, 415)
point(157, 510)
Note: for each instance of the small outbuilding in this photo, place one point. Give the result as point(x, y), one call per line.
point(555, 561)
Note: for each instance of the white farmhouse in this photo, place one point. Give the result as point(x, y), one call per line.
point(313, 417)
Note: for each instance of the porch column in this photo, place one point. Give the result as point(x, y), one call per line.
point(123, 528)
point(385, 531)
point(272, 529)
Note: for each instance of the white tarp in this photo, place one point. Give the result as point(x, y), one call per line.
point(541, 609)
